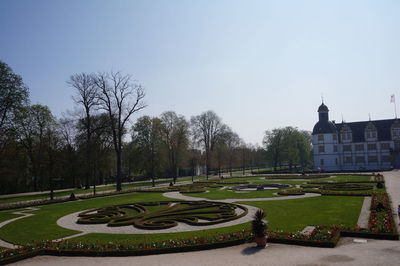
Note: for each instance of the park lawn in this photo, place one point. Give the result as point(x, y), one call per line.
point(293, 215)
point(151, 238)
point(43, 226)
point(7, 215)
point(216, 194)
point(344, 178)
point(290, 182)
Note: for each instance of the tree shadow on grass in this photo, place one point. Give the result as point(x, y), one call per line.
point(251, 250)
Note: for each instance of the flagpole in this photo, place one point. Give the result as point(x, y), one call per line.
point(393, 100)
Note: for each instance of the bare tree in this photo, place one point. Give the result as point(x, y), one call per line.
point(85, 95)
point(206, 129)
point(175, 135)
point(120, 97)
point(232, 141)
point(68, 132)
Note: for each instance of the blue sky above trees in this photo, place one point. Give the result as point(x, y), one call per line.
point(257, 64)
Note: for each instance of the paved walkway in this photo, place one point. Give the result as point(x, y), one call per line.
point(392, 183)
point(364, 213)
point(177, 195)
point(347, 253)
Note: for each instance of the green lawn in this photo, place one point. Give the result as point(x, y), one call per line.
point(287, 215)
point(42, 226)
point(216, 194)
point(294, 215)
point(7, 215)
point(344, 178)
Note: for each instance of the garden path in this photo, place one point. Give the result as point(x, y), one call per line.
point(392, 184)
point(364, 213)
point(177, 195)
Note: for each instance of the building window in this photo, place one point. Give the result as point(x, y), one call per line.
point(372, 159)
point(321, 148)
point(348, 159)
point(396, 131)
point(371, 146)
point(334, 136)
point(334, 148)
point(346, 147)
point(370, 132)
point(385, 158)
point(385, 146)
point(359, 147)
point(320, 137)
point(345, 134)
point(336, 161)
point(322, 161)
point(360, 159)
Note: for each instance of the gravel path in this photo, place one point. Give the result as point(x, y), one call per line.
point(365, 212)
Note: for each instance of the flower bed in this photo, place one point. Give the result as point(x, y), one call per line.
point(71, 248)
point(291, 192)
point(321, 236)
point(381, 224)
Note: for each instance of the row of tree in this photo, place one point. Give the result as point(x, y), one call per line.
point(92, 146)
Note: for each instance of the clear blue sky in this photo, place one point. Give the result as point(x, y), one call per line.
point(257, 64)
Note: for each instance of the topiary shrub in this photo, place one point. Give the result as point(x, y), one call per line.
point(258, 226)
point(165, 215)
point(72, 196)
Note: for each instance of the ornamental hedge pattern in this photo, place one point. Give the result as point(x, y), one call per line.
point(163, 215)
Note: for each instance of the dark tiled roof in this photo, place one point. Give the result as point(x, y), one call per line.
point(358, 129)
point(323, 127)
point(323, 108)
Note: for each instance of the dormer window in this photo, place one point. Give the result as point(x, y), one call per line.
point(320, 137)
point(370, 132)
point(395, 130)
point(345, 134)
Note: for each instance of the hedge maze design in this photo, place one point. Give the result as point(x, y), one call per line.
point(163, 215)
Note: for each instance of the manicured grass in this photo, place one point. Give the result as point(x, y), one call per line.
point(42, 226)
point(344, 178)
point(287, 215)
point(294, 215)
point(150, 238)
point(7, 215)
point(216, 194)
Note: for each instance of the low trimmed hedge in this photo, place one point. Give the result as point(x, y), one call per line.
point(316, 176)
point(167, 215)
point(71, 248)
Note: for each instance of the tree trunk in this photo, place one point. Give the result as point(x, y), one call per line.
point(119, 171)
point(207, 162)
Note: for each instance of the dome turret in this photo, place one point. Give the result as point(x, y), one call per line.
point(324, 126)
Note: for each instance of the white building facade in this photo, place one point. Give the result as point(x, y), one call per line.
point(366, 145)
